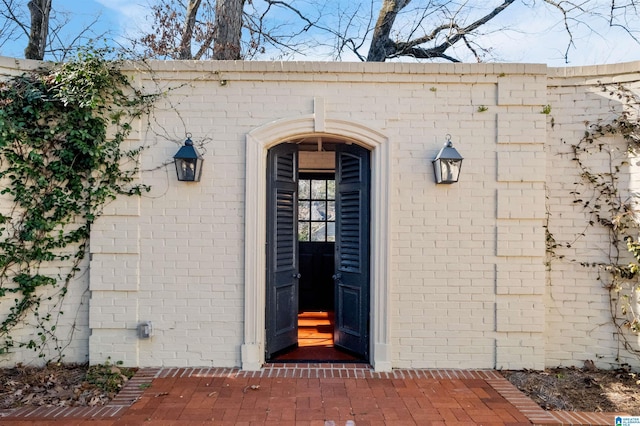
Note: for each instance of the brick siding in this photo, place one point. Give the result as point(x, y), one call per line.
point(468, 283)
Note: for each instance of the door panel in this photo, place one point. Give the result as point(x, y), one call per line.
point(282, 249)
point(352, 249)
point(316, 269)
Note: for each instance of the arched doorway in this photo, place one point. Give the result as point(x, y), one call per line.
point(258, 142)
point(317, 250)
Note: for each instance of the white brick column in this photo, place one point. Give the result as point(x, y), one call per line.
point(520, 236)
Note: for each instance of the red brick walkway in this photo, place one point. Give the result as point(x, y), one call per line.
point(311, 394)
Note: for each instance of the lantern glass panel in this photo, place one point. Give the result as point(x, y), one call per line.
point(449, 169)
point(188, 162)
point(447, 164)
point(186, 169)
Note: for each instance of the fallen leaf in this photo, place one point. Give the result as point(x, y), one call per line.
point(252, 387)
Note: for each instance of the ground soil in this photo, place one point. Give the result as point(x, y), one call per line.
point(569, 389)
point(61, 385)
point(581, 389)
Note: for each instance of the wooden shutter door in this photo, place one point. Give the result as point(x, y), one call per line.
point(282, 248)
point(352, 249)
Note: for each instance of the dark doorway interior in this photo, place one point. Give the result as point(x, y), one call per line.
point(316, 282)
point(316, 241)
point(316, 249)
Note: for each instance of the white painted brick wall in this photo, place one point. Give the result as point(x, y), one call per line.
point(469, 285)
point(72, 326)
point(523, 202)
point(521, 163)
point(522, 127)
point(578, 316)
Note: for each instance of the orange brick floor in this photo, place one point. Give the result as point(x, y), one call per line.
point(310, 394)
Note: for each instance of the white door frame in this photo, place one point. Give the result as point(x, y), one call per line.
point(258, 143)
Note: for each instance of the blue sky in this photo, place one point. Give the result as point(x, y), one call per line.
point(535, 35)
point(113, 16)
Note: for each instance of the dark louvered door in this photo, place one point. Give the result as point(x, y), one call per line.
point(352, 249)
point(282, 249)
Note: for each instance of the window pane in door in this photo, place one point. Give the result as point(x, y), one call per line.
point(318, 210)
point(303, 231)
point(304, 189)
point(331, 231)
point(318, 189)
point(304, 211)
point(318, 231)
point(331, 190)
point(331, 210)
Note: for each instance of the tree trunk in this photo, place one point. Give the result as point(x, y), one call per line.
point(381, 44)
point(227, 30)
point(40, 11)
point(187, 32)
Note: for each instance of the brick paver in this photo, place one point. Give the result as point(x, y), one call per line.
point(311, 394)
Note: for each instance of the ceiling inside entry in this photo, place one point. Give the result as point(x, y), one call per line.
point(318, 143)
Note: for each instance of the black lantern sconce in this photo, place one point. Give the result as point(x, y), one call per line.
point(447, 163)
point(188, 162)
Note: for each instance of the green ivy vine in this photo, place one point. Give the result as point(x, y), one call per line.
point(611, 208)
point(61, 159)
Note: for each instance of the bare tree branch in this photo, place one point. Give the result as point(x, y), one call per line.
point(184, 51)
point(205, 45)
point(457, 33)
point(13, 26)
point(344, 42)
point(381, 45)
point(565, 20)
point(338, 33)
point(631, 5)
point(423, 30)
point(60, 47)
point(296, 11)
point(260, 36)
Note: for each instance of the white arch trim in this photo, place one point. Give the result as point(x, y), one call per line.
point(258, 142)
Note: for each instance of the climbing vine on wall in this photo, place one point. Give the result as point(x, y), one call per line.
point(604, 194)
point(61, 159)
